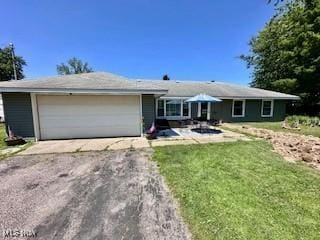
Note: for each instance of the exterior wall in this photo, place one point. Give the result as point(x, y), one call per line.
point(18, 113)
point(148, 110)
point(223, 111)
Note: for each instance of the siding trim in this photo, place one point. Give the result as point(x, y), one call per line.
point(35, 116)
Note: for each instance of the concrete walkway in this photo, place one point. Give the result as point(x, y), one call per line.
point(184, 137)
point(81, 145)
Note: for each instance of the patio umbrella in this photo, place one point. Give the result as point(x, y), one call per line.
point(203, 98)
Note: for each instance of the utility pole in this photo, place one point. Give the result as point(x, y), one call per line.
point(13, 61)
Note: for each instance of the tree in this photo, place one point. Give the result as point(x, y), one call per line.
point(285, 55)
point(6, 65)
point(165, 77)
point(73, 66)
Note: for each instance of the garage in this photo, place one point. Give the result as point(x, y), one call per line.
point(88, 116)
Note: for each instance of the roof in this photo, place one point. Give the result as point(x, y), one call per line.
point(103, 82)
point(215, 89)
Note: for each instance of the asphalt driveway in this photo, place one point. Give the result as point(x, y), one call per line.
point(89, 195)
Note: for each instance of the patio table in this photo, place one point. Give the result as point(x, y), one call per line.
point(203, 125)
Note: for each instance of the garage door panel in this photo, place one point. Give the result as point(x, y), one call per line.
point(90, 133)
point(76, 116)
point(95, 121)
point(90, 100)
point(52, 112)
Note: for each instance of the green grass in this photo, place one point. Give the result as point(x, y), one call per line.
point(3, 145)
point(242, 190)
point(276, 126)
point(3, 135)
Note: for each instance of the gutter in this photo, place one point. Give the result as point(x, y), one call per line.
point(84, 91)
point(237, 97)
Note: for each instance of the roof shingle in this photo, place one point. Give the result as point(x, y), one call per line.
point(102, 81)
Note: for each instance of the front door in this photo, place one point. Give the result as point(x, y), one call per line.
point(204, 111)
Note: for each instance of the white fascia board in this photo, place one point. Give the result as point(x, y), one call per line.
point(165, 97)
point(260, 98)
point(35, 116)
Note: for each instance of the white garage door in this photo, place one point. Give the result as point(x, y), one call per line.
point(80, 116)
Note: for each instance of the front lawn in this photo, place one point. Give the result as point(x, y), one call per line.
point(242, 190)
point(276, 126)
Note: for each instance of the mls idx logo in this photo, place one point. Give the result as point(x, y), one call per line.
point(19, 233)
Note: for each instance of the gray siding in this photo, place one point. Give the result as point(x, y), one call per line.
point(18, 113)
point(148, 110)
point(223, 111)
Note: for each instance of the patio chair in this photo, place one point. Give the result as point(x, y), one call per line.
point(214, 122)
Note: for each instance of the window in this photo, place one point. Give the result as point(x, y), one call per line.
point(160, 108)
point(185, 109)
point(267, 108)
point(173, 107)
point(238, 108)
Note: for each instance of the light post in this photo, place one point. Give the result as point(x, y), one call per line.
point(13, 61)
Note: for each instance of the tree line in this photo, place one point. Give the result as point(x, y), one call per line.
point(72, 66)
point(7, 59)
point(285, 54)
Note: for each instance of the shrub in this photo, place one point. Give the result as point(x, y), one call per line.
point(296, 121)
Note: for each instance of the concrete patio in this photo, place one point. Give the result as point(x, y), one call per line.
point(185, 136)
point(174, 136)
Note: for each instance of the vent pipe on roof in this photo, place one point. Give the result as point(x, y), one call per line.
point(166, 77)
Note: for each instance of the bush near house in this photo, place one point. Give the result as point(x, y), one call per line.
point(297, 121)
point(299, 124)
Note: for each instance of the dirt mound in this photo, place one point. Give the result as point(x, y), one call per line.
point(293, 147)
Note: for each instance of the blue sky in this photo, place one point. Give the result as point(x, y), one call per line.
point(191, 40)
